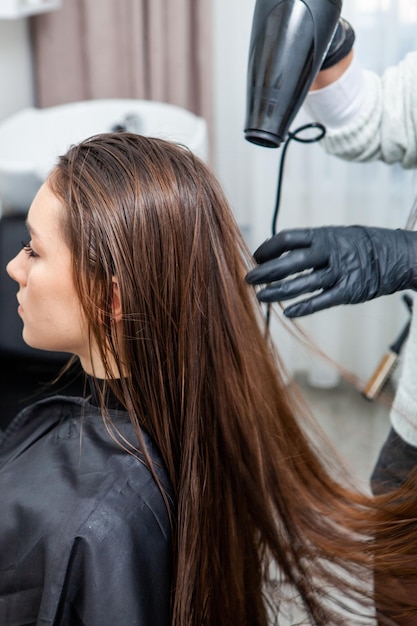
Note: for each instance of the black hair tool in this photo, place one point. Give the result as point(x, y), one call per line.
point(289, 41)
point(386, 366)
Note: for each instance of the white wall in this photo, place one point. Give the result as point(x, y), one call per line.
point(232, 154)
point(16, 84)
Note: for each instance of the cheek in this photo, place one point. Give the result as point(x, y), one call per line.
point(63, 299)
point(52, 317)
point(50, 291)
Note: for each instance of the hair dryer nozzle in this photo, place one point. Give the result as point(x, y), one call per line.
point(289, 41)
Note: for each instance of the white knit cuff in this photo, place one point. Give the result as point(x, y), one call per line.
point(340, 102)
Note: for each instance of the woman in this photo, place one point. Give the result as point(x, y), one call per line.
point(181, 490)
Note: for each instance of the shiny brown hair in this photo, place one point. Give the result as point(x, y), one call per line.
point(261, 512)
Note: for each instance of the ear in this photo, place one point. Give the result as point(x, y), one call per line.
point(116, 306)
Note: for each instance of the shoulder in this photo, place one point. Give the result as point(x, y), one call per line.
point(54, 405)
point(42, 414)
point(88, 460)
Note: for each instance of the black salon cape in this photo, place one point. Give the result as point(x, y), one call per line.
point(84, 532)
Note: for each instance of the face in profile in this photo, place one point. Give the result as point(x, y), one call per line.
point(47, 300)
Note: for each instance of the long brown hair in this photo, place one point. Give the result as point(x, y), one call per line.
point(260, 510)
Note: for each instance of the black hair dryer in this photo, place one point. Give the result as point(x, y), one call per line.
point(288, 43)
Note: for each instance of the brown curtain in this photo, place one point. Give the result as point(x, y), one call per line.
point(145, 49)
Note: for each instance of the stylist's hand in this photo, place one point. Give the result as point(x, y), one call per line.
point(349, 264)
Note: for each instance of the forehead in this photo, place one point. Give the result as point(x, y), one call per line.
point(45, 213)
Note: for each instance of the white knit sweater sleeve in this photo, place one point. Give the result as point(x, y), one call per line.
point(384, 126)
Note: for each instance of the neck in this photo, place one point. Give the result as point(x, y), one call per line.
point(94, 366)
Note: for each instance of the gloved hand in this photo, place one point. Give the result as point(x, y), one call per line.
point(350, 264)
point(341, 44)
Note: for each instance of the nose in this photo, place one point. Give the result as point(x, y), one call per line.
point(16, 268)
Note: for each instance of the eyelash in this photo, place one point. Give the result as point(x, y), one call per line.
point(28, 249)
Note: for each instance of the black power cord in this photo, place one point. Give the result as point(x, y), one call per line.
point(292, 136)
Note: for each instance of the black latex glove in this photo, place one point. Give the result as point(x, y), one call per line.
point(350, 264)
point(341, 44)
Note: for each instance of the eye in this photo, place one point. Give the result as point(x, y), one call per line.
point(28, 249)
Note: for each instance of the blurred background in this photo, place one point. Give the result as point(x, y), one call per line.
point(192, 54)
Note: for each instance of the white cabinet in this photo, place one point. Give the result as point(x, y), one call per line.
point(10, 9)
